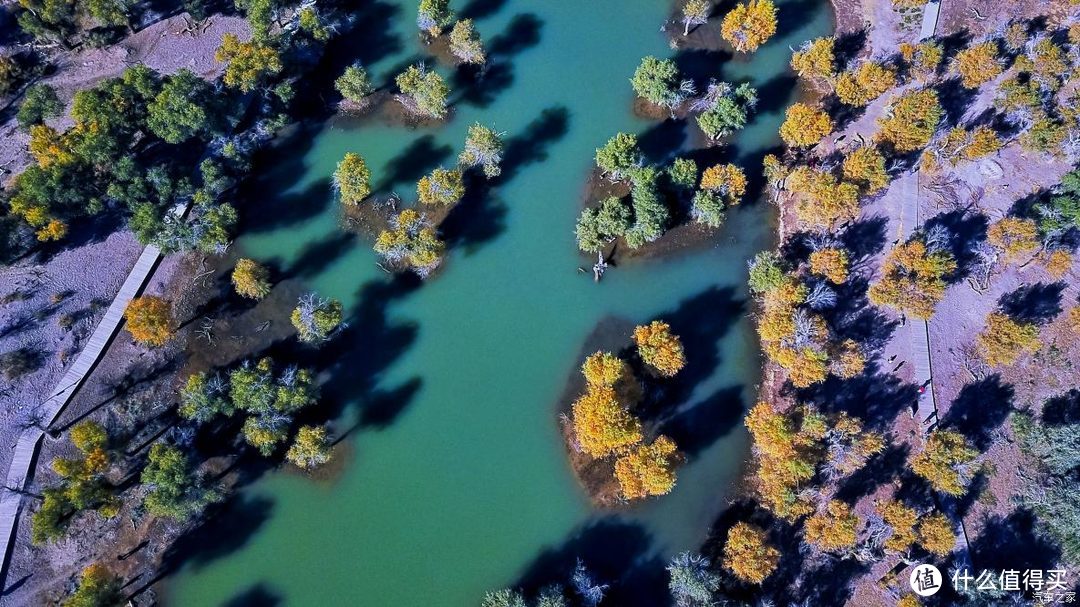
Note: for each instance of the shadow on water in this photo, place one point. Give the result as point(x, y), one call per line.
point(480, 9)
point(697, 427)
point(226, 528)
point(700, 321)
point(479, 86)
point(521, 34)
point(356, 358)
point(412, 163)
point(774, 94)
point(701, 65)
point(257, 595)
point(477, 219)
point(660, 142)
point(317, 255)
point(531, 145)
point(615, 552)
point(265, 214)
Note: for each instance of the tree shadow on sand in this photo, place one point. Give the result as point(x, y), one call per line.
point(1063, 409)
point(965, 231)
point(874, 396)
point(879, 470)
point(980, 409)
point(1038, 303)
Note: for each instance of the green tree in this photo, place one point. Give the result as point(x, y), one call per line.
point(483, 147)
point(183, 109)
point(352, 179)
point(39, 102)
point(708, 208)
point(116, 13)
point(650, 214)
point(683, 173)
point(176, 491)
point(944, 461)
point(310, 449)
point(911, 120)
point(766, 272)
point(203, 398)
point(425, 90)
point(619, 155)
point(270, 401)
point(658, 82)
point(310, 22)
point(260, 16)
point(411, 243)
point(315, 318)
point(354, 83)
point(727, 109)
point(597, 227)
point(48, 20)
point(691, 580)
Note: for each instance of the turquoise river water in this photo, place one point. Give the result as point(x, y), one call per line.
point(460, 484)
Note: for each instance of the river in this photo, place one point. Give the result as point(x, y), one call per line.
point(456, 479)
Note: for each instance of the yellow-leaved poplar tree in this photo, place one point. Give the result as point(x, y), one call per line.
point(149, 320)
point(834, 528)
point(748, 553)
point(830, 262)
point(943, 461)
point(647, 469)
point(978, 64)
point(602, 425)
point(804, 125)
point(749, 25)
point(660, 348)
point(1005, 340)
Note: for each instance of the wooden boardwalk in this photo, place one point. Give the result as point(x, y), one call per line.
point(29, 441)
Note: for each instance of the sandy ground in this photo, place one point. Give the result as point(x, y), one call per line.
point(56, 293)
point(166, 46)
point(960, 316)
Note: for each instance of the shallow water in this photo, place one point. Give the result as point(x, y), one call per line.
point(456, 480)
